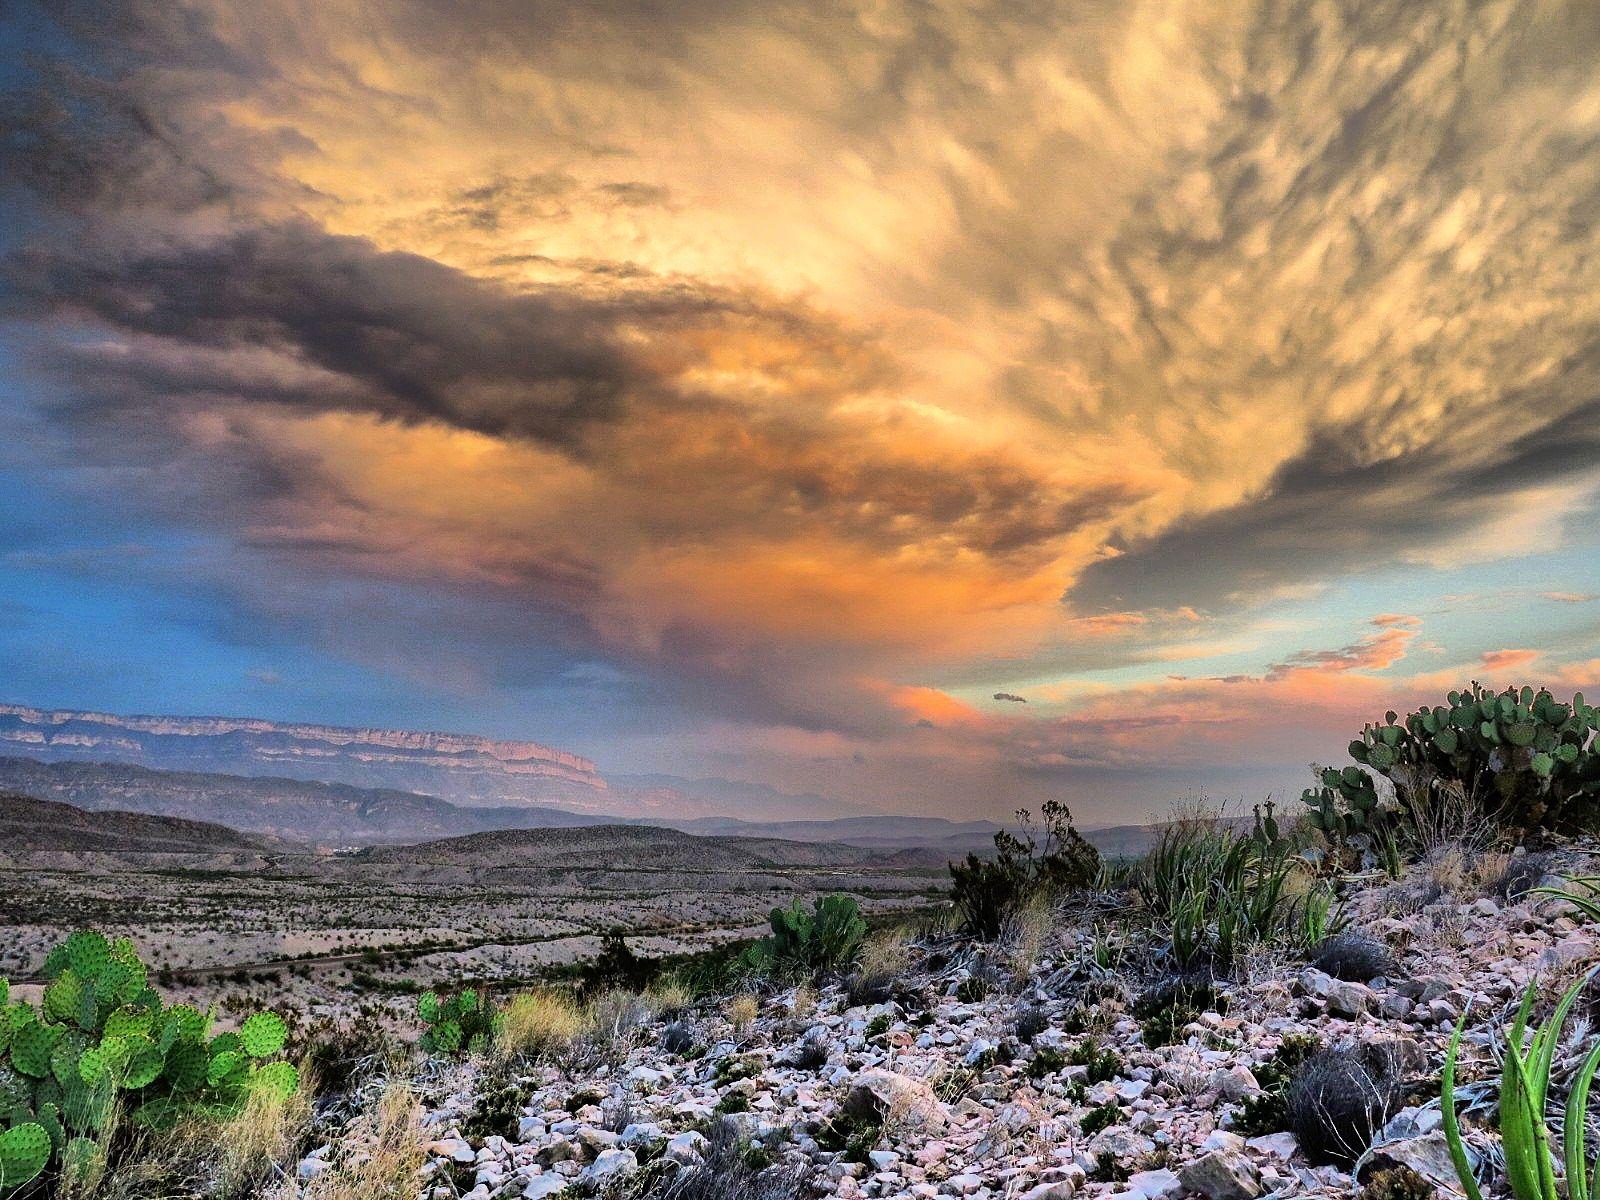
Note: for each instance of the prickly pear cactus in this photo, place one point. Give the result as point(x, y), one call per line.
point(101, 1040)
point(466, 1022)
point(1522, 755)
point(24, 1151)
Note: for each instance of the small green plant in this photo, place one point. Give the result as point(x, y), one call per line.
point(828, 938)
point(1101, 1064)
point(1101, 1117)
point(1397, 1183)
point(1058, 859)
point(464, 1023)
point(1046, 1062)
point(1524, 1126)
point(878, 1026)
point(1266, 1111)
point(100, 1041)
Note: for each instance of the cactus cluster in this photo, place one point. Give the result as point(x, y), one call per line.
point(102, 1039)
point(1520, 754)
point(824, 939)
point(463, 1023)
point(1348, 812)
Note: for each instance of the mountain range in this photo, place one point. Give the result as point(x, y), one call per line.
point(463, 768)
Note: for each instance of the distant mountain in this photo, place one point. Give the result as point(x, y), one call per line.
point(882, 831)
point(633, 847)
point(328, 813)
point(674, 798)
point(30, 824)
point(463, 768)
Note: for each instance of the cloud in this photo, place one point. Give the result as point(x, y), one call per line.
point(1009, 696)
point(1570, 597)
point(810, 367)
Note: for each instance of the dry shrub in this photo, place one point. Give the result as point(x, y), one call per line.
point(886, 953)
point(383, 1153)
point(262, 1139)
point(613, 1015)
point(669, 996)
point(1024, 936)
point(742, 1011)
point(540, 1022)
point(805, 1002)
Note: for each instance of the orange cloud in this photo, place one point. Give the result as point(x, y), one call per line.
point(1509, 660)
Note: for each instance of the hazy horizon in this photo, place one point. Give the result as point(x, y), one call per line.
point(937, 409)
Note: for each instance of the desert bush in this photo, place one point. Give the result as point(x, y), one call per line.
point(383, 1153)
point(1338, 1100)
point(100, 1044)
point(677, 1038)
point(617, 968)
point(1521, 758)
point(1522, 873)
point(1352, 955)
point(612, 1016)
point(728, 1171)
point(1037, 864)
point(742, 1011)
point(812, 1050)
point(537, 1023)
point(1031, 1022)
point(1164, 1008)
point(464, 1023)
point(1523, 1109)
point(1266, 1112)
point(827, 938)
point(1100, 1063)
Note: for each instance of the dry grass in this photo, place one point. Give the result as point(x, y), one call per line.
point(387, 1157)
point(805, 1002)
point(669, 996)
point(262, 1140)
point(542, 1022)
point(1024, 936)
point(885, 954)
point(742, 1011)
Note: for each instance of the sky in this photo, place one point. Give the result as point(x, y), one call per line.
point(942, 407)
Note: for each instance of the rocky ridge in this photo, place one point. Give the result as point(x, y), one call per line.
point(1019, 1071)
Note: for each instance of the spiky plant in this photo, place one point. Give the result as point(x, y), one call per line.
point(1523, 1116)
point(101, 1040)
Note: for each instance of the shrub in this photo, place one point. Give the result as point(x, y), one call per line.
point(1216, 891)
point(1101, 1117)
point(101, 1041)
point(1031, 1022)
point(1166, 1007)
point(987, 893)
point(810, 943)
point(1338, 1099)
point(1522, 874)
point(1101, 1064)
point(677, 1038)
point(382, 1153)
point(742, 1011)
point(538, 1023)
point(1266, 1112)
point(1522, 758)
point(465, 1023)
point(618, 968)
point(728, 1172)
point(1046, 1062)
point(812, 1052)
point(1353, 956)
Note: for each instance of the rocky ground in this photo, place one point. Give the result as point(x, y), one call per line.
point(1021, 1070)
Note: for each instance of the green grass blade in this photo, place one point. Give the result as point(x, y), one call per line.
point(1572, 1131)
point(1452, 1126)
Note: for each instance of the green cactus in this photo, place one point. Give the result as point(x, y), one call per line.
point(24, 1152)
point(822, 939)
point(1524, 757)
point(465, 1022)
point(100, 1039)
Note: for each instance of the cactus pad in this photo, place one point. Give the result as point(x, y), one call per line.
point(24, 1151)
point(263, 1035)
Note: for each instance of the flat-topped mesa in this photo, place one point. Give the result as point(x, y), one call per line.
point(465, 767)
